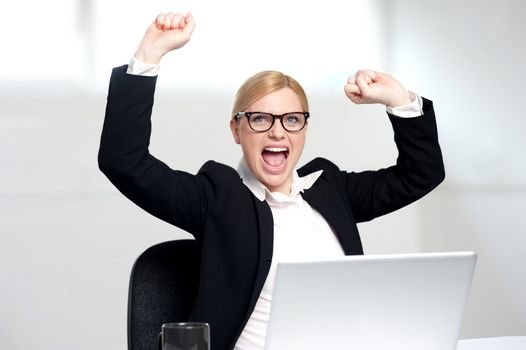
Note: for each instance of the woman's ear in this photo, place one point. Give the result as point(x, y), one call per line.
point(234, 127)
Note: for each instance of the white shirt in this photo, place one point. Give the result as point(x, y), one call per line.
point(300, 233)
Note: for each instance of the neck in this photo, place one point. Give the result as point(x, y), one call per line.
point(284, 188)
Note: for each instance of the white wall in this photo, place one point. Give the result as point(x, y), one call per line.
point(68, 239)
point(469, 58)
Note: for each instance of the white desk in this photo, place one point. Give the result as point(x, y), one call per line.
point(497, 343)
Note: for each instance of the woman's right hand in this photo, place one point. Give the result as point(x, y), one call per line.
point(169, 31)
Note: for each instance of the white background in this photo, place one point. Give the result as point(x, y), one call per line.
point(68, 239)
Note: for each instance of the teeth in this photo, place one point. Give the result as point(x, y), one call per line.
point(276, 149)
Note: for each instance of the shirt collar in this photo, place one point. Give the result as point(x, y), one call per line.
point(299, 184)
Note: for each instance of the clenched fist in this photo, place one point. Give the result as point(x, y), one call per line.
point(169, 31)
point(368, 86)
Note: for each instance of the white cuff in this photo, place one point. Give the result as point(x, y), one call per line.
point(137, 67)
point(414, 109)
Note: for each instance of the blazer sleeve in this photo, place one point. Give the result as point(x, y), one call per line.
point(419, 168)
point(176, 197)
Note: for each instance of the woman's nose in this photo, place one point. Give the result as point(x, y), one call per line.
point(277, 131)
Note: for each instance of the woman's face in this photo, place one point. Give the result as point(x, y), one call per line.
point(272, 155)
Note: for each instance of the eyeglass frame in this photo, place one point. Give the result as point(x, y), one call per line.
point(274, 117)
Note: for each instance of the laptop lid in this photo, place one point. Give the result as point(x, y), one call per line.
point(371, 302)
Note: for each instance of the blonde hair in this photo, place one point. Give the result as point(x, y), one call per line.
point(262, 84)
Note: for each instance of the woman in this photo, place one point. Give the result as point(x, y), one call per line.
point(245, 221)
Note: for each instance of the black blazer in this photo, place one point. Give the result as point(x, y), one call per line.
point(234, 230)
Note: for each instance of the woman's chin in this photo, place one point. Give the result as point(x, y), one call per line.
point(277, 182)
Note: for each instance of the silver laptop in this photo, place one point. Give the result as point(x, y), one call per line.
point(371, 302)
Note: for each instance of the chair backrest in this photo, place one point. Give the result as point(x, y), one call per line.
point(163, 286)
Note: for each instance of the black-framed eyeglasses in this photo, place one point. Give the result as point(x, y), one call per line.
point(262, 121)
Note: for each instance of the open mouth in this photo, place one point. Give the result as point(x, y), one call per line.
point(275, 157)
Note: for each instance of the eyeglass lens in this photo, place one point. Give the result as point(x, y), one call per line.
point(289, 121)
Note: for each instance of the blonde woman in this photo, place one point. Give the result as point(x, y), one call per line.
point(247, 219)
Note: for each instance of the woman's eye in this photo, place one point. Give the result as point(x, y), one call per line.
point(259, 118)
point(293, 119)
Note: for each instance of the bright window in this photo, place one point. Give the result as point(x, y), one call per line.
point(316, 42)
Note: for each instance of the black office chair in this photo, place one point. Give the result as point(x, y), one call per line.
point(163, 286)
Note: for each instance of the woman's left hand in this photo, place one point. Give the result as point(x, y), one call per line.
point(368, 86)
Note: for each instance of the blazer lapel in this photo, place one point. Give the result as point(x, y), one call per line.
point(323, 197)
point(265, 228)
